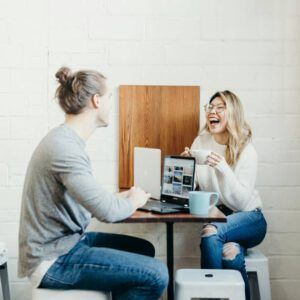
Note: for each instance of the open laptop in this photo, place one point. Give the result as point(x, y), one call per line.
point(177, 181)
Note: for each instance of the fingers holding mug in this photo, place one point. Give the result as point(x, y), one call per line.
point(186, 152)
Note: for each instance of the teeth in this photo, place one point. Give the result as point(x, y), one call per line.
point(214, 121)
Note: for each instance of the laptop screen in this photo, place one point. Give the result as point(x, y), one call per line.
point(178, 178)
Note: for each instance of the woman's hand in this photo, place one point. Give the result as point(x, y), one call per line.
point(186, 152)
point(213, 159)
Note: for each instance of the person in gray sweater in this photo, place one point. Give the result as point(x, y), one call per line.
point(61, 195)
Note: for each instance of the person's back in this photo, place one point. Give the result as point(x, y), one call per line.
point(59, 197)
point(48, 213)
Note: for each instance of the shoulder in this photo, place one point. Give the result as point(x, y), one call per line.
point(64, 144)
point(249, 153)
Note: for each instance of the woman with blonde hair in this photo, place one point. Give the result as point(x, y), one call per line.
point(227, 164)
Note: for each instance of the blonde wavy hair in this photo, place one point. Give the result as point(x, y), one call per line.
point(239, 130)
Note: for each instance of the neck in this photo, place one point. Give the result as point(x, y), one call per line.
point(83, 124)
point(221, 138)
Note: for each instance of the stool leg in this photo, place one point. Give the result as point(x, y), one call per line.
point(264, 282)
point(181, 293)
point(4, 282)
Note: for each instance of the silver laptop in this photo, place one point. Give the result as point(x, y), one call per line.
point(147, 170)
point(177, 181)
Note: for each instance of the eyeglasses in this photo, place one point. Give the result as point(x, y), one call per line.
point(218, 108)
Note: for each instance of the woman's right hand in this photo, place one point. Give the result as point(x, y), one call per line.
point(137, 197)
point(186, 152)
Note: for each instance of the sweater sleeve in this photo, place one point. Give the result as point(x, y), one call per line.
point(73, 171)
point(237, 186)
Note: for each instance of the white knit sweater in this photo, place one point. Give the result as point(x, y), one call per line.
point(236, 185)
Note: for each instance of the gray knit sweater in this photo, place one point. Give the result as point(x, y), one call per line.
point(59, 197)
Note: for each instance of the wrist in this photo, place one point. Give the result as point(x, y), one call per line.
point(223, 166)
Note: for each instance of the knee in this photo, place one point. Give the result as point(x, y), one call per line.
point(208, 231)
point(231, 251)
point(232, 257)
point(160, 277)
point(164, 275)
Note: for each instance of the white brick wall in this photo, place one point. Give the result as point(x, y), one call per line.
point(251, 47)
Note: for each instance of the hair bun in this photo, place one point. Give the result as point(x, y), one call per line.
point(64, 74)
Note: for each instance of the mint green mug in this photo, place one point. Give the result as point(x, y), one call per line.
point(200, 202)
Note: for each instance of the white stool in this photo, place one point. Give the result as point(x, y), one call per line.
point(3, 272)
point(257, 262)
point(48, 294)
point(206, 283)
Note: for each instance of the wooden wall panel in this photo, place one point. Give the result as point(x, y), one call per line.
point(165, 117)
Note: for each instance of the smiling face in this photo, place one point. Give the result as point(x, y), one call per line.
point(216, 116)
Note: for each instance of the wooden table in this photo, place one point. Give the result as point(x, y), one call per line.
point(146, 217)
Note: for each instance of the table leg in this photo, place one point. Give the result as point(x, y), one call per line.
point(4, 282)
point(170, 260)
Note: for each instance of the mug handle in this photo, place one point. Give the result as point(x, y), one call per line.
point(214, 197)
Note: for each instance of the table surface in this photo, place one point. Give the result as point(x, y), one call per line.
point(215, 215)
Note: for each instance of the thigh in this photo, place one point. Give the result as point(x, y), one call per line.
point(104, 269)
point(246, 228)
point(120, 242)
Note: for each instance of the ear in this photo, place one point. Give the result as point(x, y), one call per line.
point(96, 101)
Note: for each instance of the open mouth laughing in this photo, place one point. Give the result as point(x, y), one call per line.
point(213, 120)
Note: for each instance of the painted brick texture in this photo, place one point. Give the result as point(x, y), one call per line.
point(250, 47)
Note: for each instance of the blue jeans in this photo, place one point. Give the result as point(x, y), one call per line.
point(120, 264)
point(245, 229)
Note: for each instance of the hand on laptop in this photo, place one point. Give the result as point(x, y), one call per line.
point(137, 197)
point(186, 152)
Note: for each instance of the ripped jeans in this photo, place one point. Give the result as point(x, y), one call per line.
point(224, 245)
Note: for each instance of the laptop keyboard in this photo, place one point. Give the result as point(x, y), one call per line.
point(158, 205)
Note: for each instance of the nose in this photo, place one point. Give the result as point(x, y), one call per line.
point(212, 114)
point(213, 110)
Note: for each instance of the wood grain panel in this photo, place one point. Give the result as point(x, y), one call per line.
point(165, 117)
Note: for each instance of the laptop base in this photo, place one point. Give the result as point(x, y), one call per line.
point(158, 207)
point(169, 211)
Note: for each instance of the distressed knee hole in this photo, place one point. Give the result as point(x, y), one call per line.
point(231, 250)
point(208, 230)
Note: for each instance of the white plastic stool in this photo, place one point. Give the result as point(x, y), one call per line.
point(4, 272)
point(48, 294)
point(206, 283)
point(257, 262)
